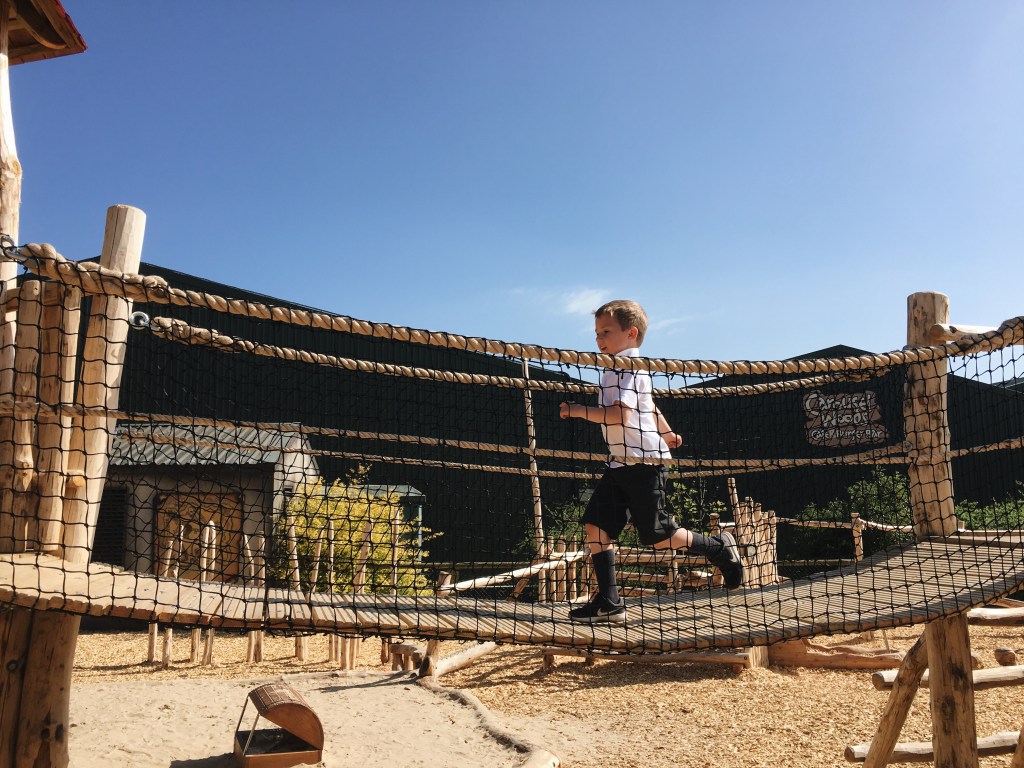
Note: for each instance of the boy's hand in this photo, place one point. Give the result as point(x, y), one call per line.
point(564, 410)
point(673, 440)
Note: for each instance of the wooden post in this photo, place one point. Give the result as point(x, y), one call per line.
point(15, 624)
point(538, 507)
point(858, 536)
point(36, 677)
point(396, 532)
point(102, 362)
point(296, 582)
point(26, 387)
point(59, 346)
point(173, 569)
point(570, 572)
point(926, 426)
point(10, 202)
point(211, 565)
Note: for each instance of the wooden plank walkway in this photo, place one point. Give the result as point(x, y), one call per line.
point(907, 585)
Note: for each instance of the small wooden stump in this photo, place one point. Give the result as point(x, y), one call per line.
point(406, 656)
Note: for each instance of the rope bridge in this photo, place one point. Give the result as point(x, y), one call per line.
point(170, 454)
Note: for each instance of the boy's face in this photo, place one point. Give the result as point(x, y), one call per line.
point(611, 338)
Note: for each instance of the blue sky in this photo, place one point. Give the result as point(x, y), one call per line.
point(766, 178)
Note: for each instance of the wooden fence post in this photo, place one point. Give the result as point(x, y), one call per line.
point(926, 425)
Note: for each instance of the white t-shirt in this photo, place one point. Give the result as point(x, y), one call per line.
point(639, 437)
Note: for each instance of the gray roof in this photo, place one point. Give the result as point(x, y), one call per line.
point(143, 444)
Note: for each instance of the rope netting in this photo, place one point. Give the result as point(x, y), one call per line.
point(204, 460)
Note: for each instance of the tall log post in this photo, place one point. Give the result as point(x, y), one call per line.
point(100, 383)
point(10, 201)
point(35, 681)
point(926, 425)
point(538, 506)
point(59, 348)
point(10, 212)
point(26, 387)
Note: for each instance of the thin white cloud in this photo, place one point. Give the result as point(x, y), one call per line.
point(669, 325)
point(584, 301)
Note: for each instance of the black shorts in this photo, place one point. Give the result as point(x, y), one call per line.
point(636, 489)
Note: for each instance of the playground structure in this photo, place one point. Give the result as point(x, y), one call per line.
point(60, 433)
point(220, 559)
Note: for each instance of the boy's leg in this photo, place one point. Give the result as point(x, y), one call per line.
point(721, 551)
point(602, 560)
point(603, 521)
point(606, 606)
point(657, 528)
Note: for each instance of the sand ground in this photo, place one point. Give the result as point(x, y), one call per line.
point(129, 712)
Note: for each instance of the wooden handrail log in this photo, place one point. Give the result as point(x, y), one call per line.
point(941, 332)
point(500, 578)
point(842, 524)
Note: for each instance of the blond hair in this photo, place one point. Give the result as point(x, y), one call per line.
point(627, 314)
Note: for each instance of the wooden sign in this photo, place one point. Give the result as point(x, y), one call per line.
point(843, 419)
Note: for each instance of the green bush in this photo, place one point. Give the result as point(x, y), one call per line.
point(364, 538)
point(1001, 515)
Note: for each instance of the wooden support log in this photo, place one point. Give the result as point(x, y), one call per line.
point(991, 677)
point(996, 617)
point(1002, 743)
point(1018, 753)
point(805, 653)
point(894, 715)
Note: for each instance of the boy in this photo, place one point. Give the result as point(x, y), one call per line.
point(637, 435)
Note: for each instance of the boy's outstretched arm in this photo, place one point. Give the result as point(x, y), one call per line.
point(671, 439)
point(598, 414)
